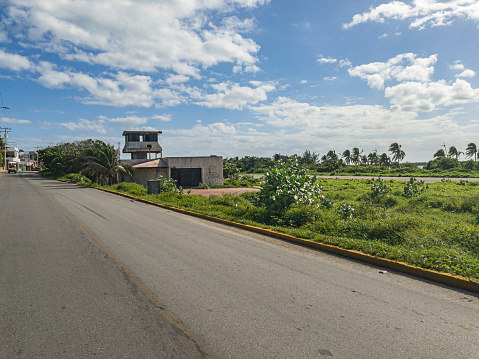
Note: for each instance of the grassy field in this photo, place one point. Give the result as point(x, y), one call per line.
point(435, 227)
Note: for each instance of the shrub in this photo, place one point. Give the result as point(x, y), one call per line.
point(130, 188)
point(379, 189)
point(285, 184)
point(169, 185)
point(414, 188)
point(77, 178)
point(346, 211)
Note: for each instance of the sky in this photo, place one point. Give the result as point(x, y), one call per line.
point(242, 77)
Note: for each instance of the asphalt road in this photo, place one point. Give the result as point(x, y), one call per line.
point(84, 273)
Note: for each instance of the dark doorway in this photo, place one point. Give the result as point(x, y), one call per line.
point(186, 177)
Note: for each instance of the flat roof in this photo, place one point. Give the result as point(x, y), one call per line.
point(141, 132)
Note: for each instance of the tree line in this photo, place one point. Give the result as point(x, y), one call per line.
point(331, 161)
point(95, 159)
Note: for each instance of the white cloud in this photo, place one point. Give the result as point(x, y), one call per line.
point(403, 67)
point(141, 35)
point(333, 78)
point(466, 73)
point(420, 12)
point(214, 129)
point(14, 121)
point(457, 65)
point(14, 62)
point(326, 60)
point(234, 96)
point(121, 89)
point(415, 96)
point(162, 118)
point(85, 125)
point(340, 123)
point(127, 121)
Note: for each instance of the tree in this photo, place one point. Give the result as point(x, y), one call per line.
point(440, 154)
point(384, 160)
point(471, 150)
point(347, 157)
point(356, 156)
point(309, 158)
point(364, 160)
point(373, 158)
point(397, 153)
point(104, 163)
point(453, 152)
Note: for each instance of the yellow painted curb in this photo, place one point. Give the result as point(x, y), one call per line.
point(440, 277)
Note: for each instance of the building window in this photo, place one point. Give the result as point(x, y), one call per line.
point(133, 137)
point(151, 137)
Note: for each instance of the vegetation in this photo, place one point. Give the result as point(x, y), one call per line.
point(98, 161)
point(445, 163)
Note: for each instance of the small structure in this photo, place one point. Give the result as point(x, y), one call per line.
point(13, 155)
point(187, 171)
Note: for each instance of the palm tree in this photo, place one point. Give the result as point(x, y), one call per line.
point(347, 156)
point(396, 152)
point(454, 152)
point(364, 160)
point(384, 160)
point(356, 156)
point(439, 154)
point(471, 150)
point(104, 163)
point(373, 158)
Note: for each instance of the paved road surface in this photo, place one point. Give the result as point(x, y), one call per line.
point(237, 294)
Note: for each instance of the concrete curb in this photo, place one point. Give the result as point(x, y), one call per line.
point(439, 277)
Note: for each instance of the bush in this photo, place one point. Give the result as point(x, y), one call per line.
point(285, 184)
point(169, 185)
point(77, 178)
point(414, 188)
point(130, 188)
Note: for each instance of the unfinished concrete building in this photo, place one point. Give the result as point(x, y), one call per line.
point(187, 171)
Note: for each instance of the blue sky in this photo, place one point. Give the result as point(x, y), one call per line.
point(243, 77)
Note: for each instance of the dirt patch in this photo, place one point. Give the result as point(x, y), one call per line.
point(220, 192)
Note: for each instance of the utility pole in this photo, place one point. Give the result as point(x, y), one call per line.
point(6, 130)
point(38, 162)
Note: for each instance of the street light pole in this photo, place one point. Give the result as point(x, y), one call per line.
point(5, 138)
point(6, 129)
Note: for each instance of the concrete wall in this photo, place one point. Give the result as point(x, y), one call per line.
point(211, 170)
point(211, 167)
point(142, 175)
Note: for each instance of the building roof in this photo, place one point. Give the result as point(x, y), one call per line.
point(141, 132)
point(159, 163)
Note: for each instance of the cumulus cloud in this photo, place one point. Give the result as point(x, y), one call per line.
point(14, 62)
point(420, 13)
point(326, 60)
point(140, 35)
point(403, 67)
point(415, 96)
point(467, 73)
point(14, 121)
point(234, 96)
point(121, 89)
point(85, 125)
point(199, 130)
point(337, 123)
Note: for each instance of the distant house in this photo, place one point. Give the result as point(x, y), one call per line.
point(187, 171)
